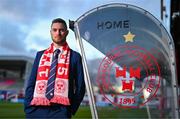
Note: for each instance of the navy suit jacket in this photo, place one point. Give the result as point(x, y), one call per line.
point(76, 86)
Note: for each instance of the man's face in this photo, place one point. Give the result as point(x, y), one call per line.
point(58, 33)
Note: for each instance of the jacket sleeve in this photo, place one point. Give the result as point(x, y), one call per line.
point(30, 86)
point(79, 85)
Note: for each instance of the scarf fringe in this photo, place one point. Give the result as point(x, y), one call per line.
point(60, 100)
point(40, 101)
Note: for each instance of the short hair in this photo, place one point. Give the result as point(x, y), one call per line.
point(59, 20)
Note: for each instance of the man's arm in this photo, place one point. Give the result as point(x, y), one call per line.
point(31, 84)
point(79, 85)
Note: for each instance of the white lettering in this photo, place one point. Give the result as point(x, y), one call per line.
point(44, 72)
point(62, 70)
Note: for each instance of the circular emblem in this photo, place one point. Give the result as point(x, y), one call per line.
point(60, 86)
point(41, 87)
point(129, 76)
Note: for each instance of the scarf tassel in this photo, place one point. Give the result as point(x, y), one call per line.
point(40, 101)
point(60, 100)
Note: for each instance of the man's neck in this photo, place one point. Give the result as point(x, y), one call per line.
point(59, 45)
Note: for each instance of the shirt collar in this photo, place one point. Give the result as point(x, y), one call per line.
point(54, 48)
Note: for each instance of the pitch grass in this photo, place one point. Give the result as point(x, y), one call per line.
point(15, 110)
point(11, 110)
point(112, 113)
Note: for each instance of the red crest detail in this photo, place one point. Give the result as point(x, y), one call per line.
point(127, 86)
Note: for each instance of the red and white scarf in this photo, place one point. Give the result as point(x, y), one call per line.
point(62, 76)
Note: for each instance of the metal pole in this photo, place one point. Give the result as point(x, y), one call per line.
point(147, 108)
point(161, 6)
point(175, 91)
point(86, 74)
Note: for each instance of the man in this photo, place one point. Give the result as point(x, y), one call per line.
point(56, 86)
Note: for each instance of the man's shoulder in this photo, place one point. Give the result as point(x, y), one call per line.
point(40, 52)
point(75, 53)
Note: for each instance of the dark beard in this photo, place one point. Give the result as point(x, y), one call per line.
point(60, 42)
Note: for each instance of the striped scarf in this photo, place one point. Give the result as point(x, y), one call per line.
point(61, 81)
